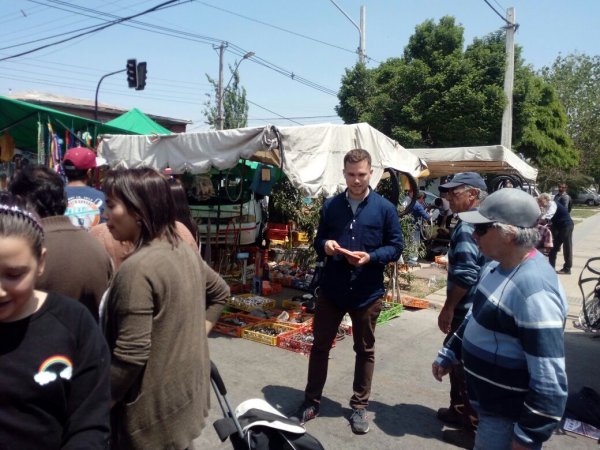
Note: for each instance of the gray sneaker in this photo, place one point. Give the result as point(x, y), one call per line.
point(306, 412)
point(359, 421)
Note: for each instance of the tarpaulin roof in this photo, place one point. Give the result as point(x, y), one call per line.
point(20, 120)
point(485, 159)
point(136, 121)
point(311, 156)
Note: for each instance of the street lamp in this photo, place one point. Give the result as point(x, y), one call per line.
point(360, 28)
point(221, 89)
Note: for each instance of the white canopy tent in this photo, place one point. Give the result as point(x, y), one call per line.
point(486, 159)
point(311, 156)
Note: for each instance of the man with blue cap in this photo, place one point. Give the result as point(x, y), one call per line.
point(464, 193)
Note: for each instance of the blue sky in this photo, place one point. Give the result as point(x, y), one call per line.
point(177, 85)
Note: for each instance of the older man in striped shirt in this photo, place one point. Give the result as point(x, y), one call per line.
point(512, 343)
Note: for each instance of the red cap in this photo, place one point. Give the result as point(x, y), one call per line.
point(82, 158)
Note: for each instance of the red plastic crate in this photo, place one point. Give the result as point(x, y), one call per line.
point(277, 231)
point(299, 341)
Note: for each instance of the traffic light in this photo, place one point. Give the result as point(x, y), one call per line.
point(132, 73)
point(141, 76)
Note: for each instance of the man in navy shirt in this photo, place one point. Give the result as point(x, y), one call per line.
point(358, 234)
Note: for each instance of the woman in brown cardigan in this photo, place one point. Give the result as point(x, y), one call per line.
point(159, 309)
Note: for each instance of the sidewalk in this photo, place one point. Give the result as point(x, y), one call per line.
point(404, 396)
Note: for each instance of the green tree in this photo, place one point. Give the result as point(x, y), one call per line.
point(576, 78)
point(235, 105)
point(543, 135)
point(439, 95)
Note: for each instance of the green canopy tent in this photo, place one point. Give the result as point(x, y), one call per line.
point(138, 122)
point(20, 120)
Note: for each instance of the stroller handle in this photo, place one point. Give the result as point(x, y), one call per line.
point(216, 377)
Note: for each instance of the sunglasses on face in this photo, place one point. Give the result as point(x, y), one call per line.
point(482, 228)
point(457, 191)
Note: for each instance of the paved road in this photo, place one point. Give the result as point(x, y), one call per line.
point(405, 395)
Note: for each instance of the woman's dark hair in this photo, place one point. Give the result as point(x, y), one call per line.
point(42, 188)
point(147, 195)
point(16, 221)
point(182, 207)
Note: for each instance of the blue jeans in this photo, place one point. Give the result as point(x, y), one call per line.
point(495, 433)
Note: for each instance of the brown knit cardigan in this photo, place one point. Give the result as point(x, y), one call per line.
point(155, 327)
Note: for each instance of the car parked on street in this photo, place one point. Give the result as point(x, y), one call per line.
point(587, 196)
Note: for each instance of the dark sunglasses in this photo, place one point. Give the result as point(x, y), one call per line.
point(482, 228)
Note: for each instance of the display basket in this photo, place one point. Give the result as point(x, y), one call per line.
point(249, 302)
point(291, 304)
point(299, 341)
point(277, 231)
point(266, 332)
point(389, 311)
point(414, 302)
point(233, 323)
point(299, 238)
point(298, 319)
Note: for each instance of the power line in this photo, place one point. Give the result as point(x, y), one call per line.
point(236, 50)
point(273, 112)
point(99, 28)
point(298, 117)
point(499, 5)
point(499, 15)
point(275, 27)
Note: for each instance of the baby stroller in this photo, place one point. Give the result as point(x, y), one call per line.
point(589, 285)
point(256, 425)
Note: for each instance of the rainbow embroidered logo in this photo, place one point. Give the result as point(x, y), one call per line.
point(52, 368)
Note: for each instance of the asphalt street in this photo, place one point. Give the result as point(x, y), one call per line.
point(405, 397)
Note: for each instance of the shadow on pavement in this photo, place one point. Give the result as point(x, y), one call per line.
point(287, 400)
point(405, 419)
point(582, 353)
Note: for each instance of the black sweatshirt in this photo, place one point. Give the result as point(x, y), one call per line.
point(54, 380)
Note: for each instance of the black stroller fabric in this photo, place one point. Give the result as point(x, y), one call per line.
point(263, 431)
point(257, 425)
point(584, 406)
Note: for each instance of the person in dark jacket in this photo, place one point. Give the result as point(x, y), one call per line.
point(358, 234)
point(563, 197)
point(562, 235)
point(419, 214)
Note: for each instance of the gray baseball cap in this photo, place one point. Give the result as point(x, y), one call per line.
point(468, 178)
point(511, 206)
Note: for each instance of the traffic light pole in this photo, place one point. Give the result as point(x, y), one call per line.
point(98, 88)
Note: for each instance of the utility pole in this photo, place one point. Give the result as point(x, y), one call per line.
point(361, 29)
point(220, 113)
point(509, 77)
point(361, 32)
